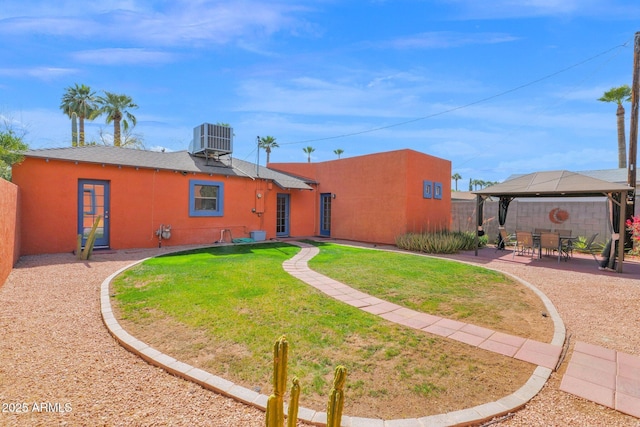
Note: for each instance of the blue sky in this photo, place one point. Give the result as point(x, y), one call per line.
point(497, 87)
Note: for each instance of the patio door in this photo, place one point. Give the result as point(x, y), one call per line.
point(325, 214)
point(282, 215)
point(93, 201)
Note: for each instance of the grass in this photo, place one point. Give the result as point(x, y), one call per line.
point(222, 308)
point(440, 287)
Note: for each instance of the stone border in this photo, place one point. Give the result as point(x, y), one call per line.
point(476, 414)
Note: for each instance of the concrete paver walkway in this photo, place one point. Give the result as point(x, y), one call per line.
point(538, 353)
point(607, 377)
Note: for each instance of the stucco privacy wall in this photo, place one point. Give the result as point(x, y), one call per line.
point(584, 217)
point(9, 228)
point(379, 196)
point(141, 200)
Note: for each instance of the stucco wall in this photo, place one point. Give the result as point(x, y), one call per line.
point(378, 196)
point(141, 200)
point(9, 228)
point(583, 217)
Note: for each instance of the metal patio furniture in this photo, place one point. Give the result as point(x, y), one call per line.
point(524, 243)
point(551, 242)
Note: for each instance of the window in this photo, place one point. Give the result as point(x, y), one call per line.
point(437, 190)
point(89, 202)
point(426, 189)
point(206, 198)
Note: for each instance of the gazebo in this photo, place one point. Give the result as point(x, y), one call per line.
point(559, 184)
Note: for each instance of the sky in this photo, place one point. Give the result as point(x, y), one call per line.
point(498, 87)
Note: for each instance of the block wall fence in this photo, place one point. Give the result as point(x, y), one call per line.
point(583, 217)
point(9, 228)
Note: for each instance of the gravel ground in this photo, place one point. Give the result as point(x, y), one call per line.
point(59, 366)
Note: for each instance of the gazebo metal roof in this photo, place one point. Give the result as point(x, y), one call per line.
point(561, 183)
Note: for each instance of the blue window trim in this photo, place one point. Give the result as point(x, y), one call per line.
point(437, 190)
point(426, 189)
point(192, 208)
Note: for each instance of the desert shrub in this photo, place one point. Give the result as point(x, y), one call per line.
point(580, 245)
point(439, 242)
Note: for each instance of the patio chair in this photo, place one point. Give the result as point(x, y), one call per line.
point(541, 230)
point(551, 243)
point(567, 244)
point(505, 239)
point(590, 248)
point(524, 243)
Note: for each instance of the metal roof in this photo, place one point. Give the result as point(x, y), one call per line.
point(180, 161)
point(618, 175)
point(553, 184)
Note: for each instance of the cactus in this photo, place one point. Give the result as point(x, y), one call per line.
point(275, 404)
point(74, 130)
point(336, 398)
point(79, 247)
point(292, 416)
point(91, 239)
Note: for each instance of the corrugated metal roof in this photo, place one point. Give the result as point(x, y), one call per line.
point(175, 161)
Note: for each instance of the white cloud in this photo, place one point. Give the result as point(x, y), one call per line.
point(446, 39)
point(354, 93)
point(120, 56)
point(179, 23)
point(42, 73)
point(501, 9)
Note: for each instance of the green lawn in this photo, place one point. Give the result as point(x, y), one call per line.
point(222, 308)
point(436, 286)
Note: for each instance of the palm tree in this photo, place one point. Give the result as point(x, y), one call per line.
point(308, 150)
point(267, 142)
point(116, 108)
point(79, 99)
point(456, 176)
point(338, 152)
point(478, 183)
point(619, 95)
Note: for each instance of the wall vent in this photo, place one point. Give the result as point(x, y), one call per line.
point(211, 139)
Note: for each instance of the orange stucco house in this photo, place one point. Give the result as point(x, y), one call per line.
point(146, 198)
point(376, 197)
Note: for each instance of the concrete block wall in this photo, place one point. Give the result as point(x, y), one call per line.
point(582, 217)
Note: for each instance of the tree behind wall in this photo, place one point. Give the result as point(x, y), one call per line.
point(267, 143)
point(619, 95)
point(11, 149)
point(116, 107)
point(456, 176)
point(79, 99)
point(309, 150)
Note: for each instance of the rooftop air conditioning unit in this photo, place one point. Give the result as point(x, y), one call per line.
point(212, 139)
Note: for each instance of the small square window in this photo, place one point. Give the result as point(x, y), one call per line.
point(426, 189)
point(206, 198)
point(437, 190)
